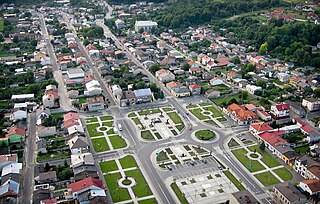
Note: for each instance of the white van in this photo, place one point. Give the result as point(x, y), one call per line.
point(119, 127)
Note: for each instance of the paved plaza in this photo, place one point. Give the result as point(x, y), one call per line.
point(207, 188)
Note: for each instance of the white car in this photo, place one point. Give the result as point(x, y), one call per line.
point(119, 127)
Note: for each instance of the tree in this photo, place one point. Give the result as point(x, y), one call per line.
point(236, 60)
point(47, 167)
point(15, 40)
point(153, 68)
point(261, 83)
point(262, 146)
point(317, 92)
point(263, 49)
point(185, 67)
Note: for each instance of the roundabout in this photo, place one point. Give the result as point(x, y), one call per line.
point(204, 136)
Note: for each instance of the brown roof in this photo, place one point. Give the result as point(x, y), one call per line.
point(315, 170)
point(313, 184)
point(8, 157)
point(290, 192)
point(241, 112)
point(95, 100)
point(48, 176)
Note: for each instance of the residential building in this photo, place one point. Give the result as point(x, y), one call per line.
point(283, 77)
point(311, 186)
point(75, 75)
point(252, 88)
point(178, 89)
point(280, 110)
point(145, 26)
point(15, 135)
point(264, 115)
point(49, 99)
point(313, 171)
point(46, 131)
point(41, 114)
point(243, 197)
point(289, 158)
point(195, 89)
point(86, 189)
point(165, 75)
point(143, 95)
point(120, 24)
point(42, 146)
point(311, 104)
point(240, 114)
point(78, 144)
point(215, 82)
point(272, 140)
point(302, 163)
point(18, 115)
point(212, 94)
point(257, 128)
point(96, 103)
point(286, 193)
point(93, 88)
point(7, 159)
point(128, 98)
point(47, 177)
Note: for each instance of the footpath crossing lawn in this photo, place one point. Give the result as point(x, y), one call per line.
point(117, 142)
point(117, 194)
point(267, 178)
point(100, 144)
point(128, 162)
point(141, 189)
point(214, 111)
point(198, 114)
point(284, 174)
point(108, 166)
point(92, 130)
point(266, 157)
point(252, 166)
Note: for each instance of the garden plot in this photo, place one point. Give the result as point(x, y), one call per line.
point(102, 134)
point(157, 123)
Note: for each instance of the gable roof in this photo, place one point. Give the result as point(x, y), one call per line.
point(313, 184)
point(290, 192)
point(262, 126)
point(315, 169)
point(272, 138)
point(241, 112)
point(70, 115)
point(282, 107)
point(85, 183)
point(77, 142)
point(15, 130)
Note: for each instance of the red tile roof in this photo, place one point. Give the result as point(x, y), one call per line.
point(272, 138)
point(307, 128)
point(262, 126)
point(15, 130)
point(282, 107)
point(71, 115)
point(85, 183)
point(313, 184)
point(194, 86)
point(241, 113)
point(49, 201)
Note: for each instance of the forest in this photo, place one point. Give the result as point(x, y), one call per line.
point(187, 13)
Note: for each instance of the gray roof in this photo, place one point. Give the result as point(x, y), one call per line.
point(245, 197)
point(290, 192)
point(142, 92)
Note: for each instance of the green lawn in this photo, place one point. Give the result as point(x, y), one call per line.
point(180, 127)
point(1, 25)
point(225, 99)
point(233, 143)
point(175, 117)
point(82, 100)
point(148, 201)
point(234, 180)
point(58, 115)
point(146, 134)
point(108, 166)
point(205, 134)
point(91, 120)
point(252, 166)
point(111, 131)
point(167, 109)
point(214, 111)
point(136, 121)
point(92, 130)
point(109, 124)
point(179, 194)
point(269, 160)
point(141, 189)
point(133, 114)
point(107, 117)
point(197, 112)
point(205, 104)
point(100, 144)
point(3, 104)
point(146, 112)
point(267, 178)
point(223, 119)
point(284, 174)
point(162, 156)
point(117, 142)
point(192, 106)
point(117, 194)
point(53, 155)
point(128, 162)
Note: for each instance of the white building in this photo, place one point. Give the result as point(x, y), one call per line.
point(120, 24)
point(283, 77)
point(75, 74)
point(252, 88)
point(92, 88)
point(280, 110)
point(145, 25)
point(18, 115)
point(312, 186)
point(165, 75)
point(78, 144)
point(215, 82)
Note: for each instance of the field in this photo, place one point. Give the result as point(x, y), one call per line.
point(267, 178)
point(100, 144)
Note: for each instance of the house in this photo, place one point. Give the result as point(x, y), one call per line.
point(264, 115)
point(13, 168)
point(311, 104)
point(313, 171)
point(252, 88)
point(215, 81)
point(311, 186)
point(143, 95)
point(76, 75)
point(9, 189)
point(231, 75)
point(177, 89)
point(280, 110)
point(81, 159)
point(78, 144)
point(49, 99)
point(240, 114)
point(86, 189)
point(18, 115)
point(146, 26)
point(212, 94)
point(41, 114)
point(286, 193)
point(15, 135)
point(47, 177)
point(72, 123)
point(289, 158)
point(194, 70)
point(73, 94)
point(46, 131)
point(283, 77)
point(165, 75)
point(92, 88)
point(96, 103)
point(195, 89)
point(128, 98)
point(302, 163)
point(242, 197)
point(42, 146)
point(83, 166)
point(257, 128)
point(120, 24)
point(7, 159)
